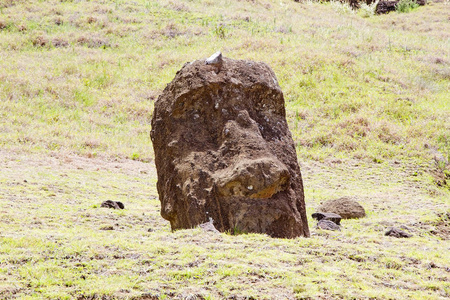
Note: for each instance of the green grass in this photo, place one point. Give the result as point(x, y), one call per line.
point(53, 246)
point(95, 68)
point(367, 103)
point(405, 6)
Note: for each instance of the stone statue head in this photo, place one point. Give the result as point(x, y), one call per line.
point(223, 150)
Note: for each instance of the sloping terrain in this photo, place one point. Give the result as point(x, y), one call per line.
point(367, 102)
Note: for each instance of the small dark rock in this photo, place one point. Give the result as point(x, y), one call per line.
point(327, 216)
point(431, 265)
point(113, 204)
point(150, 230)
point(398, 233)
point(328, 225)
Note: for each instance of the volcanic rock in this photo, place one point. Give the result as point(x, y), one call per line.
point(398, 233)
point(328, 225)
point(113, 204)
point(345, 207)
point(327, 216)
point(223, 150)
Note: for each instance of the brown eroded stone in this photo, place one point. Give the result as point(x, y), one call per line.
point(223, 150)
point(345, 207)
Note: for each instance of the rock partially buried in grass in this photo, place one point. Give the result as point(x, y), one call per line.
point(223, 150)
point(209, 226)
point(113, 204)
point(328, 225)
point(384, 7)
point(345, 207)
point(398, 233)
point(327, 216)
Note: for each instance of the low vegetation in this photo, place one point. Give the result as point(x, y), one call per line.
point(405, 6)
point(368, 105)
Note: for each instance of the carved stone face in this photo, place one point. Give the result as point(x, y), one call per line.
point(223, 151)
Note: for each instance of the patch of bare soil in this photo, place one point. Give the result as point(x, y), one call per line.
point(58, 161)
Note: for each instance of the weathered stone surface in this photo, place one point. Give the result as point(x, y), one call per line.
point(345, 207)
point(223, 150)
point(327, 216)
point(398, 233)
point(328, 225)
point(113, 204)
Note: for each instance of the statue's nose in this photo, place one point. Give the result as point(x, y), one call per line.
point(260, 178)
point(255, 172)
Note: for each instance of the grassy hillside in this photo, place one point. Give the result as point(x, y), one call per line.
point(367, 102)
point(81, 76)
